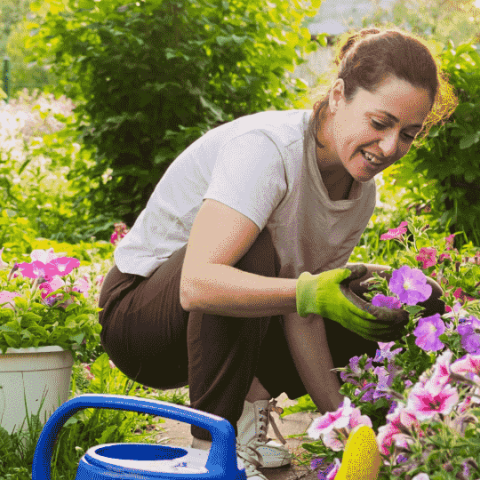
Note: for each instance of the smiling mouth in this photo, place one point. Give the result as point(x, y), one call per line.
point(371, 159)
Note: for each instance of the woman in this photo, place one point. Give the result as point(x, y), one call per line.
point(206, 288)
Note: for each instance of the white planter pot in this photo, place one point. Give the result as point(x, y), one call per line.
point(32, 373)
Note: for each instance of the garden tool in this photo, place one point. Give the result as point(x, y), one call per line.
point(361, 458)
point(141, 461)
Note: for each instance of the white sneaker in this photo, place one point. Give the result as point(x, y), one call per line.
point(251, 460)
point(252, 430)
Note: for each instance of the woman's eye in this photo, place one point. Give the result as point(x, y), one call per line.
point(409, 137)
point(378, 125)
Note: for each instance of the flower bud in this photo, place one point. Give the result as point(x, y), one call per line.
point(448, 467)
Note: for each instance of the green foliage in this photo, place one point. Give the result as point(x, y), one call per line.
point(438, 20)
point(449, 160)
point(40, 149)
point(151, 77)
point(304, 404)
point(24, 75)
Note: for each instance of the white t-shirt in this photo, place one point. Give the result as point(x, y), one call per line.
point(264, 166)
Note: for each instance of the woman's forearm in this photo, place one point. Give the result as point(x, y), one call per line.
point(226, 290)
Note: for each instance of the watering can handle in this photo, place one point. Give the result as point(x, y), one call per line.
point(222, 455)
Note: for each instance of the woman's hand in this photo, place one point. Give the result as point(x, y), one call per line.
point(328, 295)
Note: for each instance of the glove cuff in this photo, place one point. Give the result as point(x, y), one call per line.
point(305, 294)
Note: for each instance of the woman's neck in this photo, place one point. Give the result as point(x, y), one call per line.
point(338, 185)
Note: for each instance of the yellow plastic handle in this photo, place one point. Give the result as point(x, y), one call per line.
point(361, 458)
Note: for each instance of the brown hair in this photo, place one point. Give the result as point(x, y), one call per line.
point(365, 58)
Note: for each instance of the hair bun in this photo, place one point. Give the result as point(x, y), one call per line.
point(351, 40)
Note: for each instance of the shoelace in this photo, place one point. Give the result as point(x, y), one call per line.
point(251, 460)
point(272, 407)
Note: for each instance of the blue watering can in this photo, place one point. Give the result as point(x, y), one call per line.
point(141, 461)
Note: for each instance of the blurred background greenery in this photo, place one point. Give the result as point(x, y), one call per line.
point(135, 83)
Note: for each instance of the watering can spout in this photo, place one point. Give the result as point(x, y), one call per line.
point(361, 458)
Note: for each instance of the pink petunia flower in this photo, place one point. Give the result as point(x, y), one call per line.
point(37, 269)
point(427, 402)
point(47, 288)
point(120, 231)
point(81, 285)
point(410, 284)
point(461, 295)
point(64, 265)
point(44, 256)
point(7, 298)
point(326, 423)
point(427, 332)
point(334, 470)
point(421, 476)
point(331, 439)
point(427, 256)
point(443, 257)
point(441, 373)
point(449, 241)
point(395, 232)
point(90, 375)
point(400, 423)
point(468, 366)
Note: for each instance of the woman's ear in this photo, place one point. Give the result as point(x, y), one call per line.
point(337, 94)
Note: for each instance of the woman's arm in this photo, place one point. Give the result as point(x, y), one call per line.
point(219, 238)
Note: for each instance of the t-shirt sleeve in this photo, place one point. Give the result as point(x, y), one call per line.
point(249, 176)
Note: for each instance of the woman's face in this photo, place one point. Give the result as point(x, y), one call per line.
point(374, 129)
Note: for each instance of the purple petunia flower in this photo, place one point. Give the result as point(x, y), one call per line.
point(470, 338)
point(427, 332)
point(385, 353)
point(410, 284)
point(384, 301)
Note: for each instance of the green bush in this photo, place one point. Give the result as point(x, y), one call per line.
point(443, 173)
point(149, 78)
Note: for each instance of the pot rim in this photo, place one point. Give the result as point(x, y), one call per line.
point(45, 349)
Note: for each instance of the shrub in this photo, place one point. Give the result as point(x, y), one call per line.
point(151, 77)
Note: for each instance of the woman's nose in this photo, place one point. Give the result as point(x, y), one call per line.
point(388, 144)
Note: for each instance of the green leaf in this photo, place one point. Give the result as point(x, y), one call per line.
point(470, 176)
point(13, 342)
point(29, 319)
point(468, 140)
point(221, 40)
point(413, 309)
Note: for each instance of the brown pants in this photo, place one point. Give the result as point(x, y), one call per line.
point(152, 340)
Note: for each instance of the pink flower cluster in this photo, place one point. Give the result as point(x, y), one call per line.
point(434, 394)
point(46, 268)
point(88, 371)
point(120, 231)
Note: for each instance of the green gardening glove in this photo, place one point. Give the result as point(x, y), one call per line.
point(328, 294)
